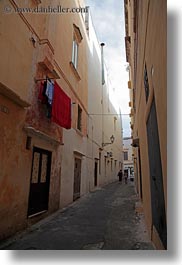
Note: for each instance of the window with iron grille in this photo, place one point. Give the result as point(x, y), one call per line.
point(146, 83)
point(79, 120)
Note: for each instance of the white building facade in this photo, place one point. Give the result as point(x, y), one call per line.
point(92, 155)
point(104, 152)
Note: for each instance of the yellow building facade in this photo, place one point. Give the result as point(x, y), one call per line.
point(38, 43)
point(146, 26)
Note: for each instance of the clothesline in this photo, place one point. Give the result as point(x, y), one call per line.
point(44, 79)
point(95, 114)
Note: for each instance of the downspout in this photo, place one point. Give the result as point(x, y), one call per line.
point(103, 82)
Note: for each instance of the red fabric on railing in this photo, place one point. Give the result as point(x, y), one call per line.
point(61, 108)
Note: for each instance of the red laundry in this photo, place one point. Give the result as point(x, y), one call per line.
point(61, 108)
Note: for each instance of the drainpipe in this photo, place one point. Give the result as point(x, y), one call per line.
point(103, 82)
point(102, 62)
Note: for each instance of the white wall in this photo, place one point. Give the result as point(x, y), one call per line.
point(99, 130)
point(74, 144)
point(101, 127)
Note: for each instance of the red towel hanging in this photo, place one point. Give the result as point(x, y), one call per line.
point(61, 108)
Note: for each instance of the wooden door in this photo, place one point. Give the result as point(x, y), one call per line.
point(95, 173)
point(40, 181)
point(77, 179)
point(156, 176)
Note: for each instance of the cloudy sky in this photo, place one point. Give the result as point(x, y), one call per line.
point(108, 20)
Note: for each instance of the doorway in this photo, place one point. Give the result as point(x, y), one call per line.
point(126, 172)
point(156, 176)
point(140, 174)
point(40, 181)
point(77, 179)
point(95, 173)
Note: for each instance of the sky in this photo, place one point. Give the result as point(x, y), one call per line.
point(109, 24)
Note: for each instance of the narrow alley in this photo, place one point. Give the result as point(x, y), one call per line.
point(83, 104)
point(106, 218)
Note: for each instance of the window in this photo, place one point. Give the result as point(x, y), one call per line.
point(75, 53)
point(146, 83)
point(77, 38)
point(87, 20)
point(79, 120)
point(125, 155)
point(115, 122)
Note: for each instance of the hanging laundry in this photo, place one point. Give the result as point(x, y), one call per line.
point(50, 91)
point(49, 111)
point(42, 96)
point(61, 108)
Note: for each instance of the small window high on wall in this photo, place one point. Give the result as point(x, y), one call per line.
point(79, 120)
point(77, 38)
point(75, 53)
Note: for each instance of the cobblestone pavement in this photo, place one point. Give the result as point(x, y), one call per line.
point(103, 219)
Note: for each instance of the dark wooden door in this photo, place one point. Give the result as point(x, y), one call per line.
point(77, 179)
point(95, 173)
point(156, 176)
point(40, 181)
point(140, 174)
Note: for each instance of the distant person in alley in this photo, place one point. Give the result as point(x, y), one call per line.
point(120, 174)
point(125, 177)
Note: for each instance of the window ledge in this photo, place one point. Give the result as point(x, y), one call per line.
point(75, 71)
point(76, 152)
point(13, 96)
point(31, 131)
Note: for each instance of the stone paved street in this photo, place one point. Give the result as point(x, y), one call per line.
point(104, 219)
